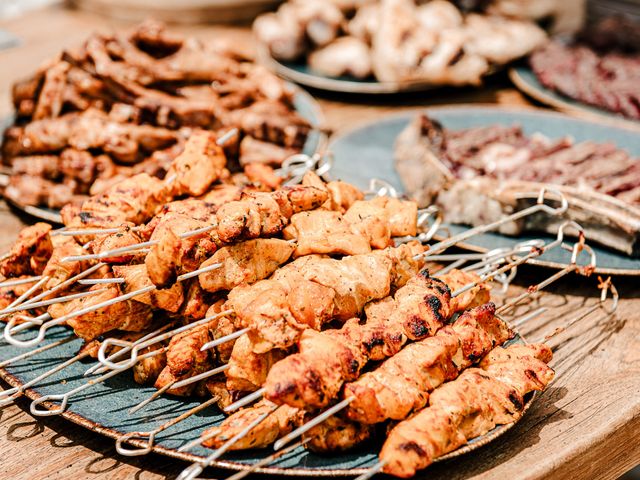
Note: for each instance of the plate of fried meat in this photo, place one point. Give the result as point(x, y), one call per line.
point(124, 103)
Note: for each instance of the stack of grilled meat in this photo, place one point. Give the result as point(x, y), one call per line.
point(123, 104)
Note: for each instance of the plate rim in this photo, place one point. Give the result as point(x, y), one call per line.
point(566, 104)
point(111, 433)
point(482, 107)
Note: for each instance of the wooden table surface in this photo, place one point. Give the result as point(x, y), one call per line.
point(585, 426)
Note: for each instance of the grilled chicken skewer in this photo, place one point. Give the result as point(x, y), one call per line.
point(465, 408)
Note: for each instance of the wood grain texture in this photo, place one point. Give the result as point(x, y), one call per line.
point(585, 426)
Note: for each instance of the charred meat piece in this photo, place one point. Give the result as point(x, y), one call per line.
point(30, 253)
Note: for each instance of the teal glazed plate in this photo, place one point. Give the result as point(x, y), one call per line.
point(367, 152)
point(103, 409)
point(524, 78)
point(304, 104)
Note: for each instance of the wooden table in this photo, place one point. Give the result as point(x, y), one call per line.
point(585, 426)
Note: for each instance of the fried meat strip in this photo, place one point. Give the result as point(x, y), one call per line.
point(314, 290)
point(30, 252)
point(245, 263)
point(127, 315)
point(401, 384)
point(468, 407)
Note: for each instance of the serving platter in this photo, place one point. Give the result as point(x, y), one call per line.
point(524, 78)
point(304, 104)
point(366, 151)
point(103, 409)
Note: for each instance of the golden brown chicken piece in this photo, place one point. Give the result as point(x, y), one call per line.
point(128, 315)
point(199, 165)
point(263, 214)
point(134, 200)
point(196, 302)
point(147, 370)
point(59, 271)
point(30, 253)
point(248, 370)
point(313, 290)
point(474, 297)
point(264, 175)
point(337, 435)
point(125, 238)
point(183, 353)
point(245, 263)
point(467, 407)
point(136, 277)
point(325, 232)
point(197, 209)
point(342, 195)
point(401, 384)
point(280, 422)
point(221, 194)
point(401, 214)
point(370, 221)
point(172, 255)
point(217, 387)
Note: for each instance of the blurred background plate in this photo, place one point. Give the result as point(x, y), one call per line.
point(367, 152)
point(179, 11)
point(525, 79)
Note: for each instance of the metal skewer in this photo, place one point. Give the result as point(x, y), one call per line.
point(35, 409)
point(149, 437)
point(178, 384)
point(196, 469)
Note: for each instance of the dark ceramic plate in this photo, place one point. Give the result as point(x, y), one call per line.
point(367, 151)
point(103, 409)
point(304, 103)
point(525, 79)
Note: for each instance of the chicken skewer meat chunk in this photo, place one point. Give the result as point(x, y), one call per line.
point(30, 253)
point(467, 407)
point(135, 277)
point(172, 255)
point(264, 214)
point(127, 315)
point(341, 195)
point(125, 238)
point(248, 370)
point(200, 164)
point(244, 263)
point(134, 200)
point(59, 271)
